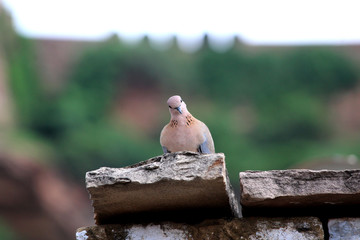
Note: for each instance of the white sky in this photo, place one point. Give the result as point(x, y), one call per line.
point(254, 21)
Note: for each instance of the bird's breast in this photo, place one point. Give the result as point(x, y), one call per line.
point(181, 137)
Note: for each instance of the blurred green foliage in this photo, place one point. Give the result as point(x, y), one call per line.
point(5, 232)
point(266, 110)
point(21, 68)
point(24, 83)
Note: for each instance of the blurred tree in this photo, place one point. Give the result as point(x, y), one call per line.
point(108, 70)
point(291, 116)
point(320, 71)
point(222, 75)
point(23, 77)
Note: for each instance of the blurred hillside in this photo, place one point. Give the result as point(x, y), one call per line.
point(76, 106)
point(269, 106)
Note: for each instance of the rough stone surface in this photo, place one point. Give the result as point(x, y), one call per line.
point(246, 228)
point(319, 193)
point(344, 229)
point(182, 186)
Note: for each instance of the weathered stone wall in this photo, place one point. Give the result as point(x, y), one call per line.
point(189, 196)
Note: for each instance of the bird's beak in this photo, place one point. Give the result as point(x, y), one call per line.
point(179, 109)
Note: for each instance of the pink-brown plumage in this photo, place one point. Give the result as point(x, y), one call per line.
point(184, 132)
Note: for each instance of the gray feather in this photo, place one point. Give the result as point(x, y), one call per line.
point(204, 147)
point(165, 150)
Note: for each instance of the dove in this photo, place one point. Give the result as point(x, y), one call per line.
point(184, 132)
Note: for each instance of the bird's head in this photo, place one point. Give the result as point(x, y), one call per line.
point(176, 105)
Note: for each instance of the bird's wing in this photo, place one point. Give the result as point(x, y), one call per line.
point(204, 147)
point(208, 145)
point(165, 150)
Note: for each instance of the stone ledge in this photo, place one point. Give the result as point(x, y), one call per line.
point(344, 228)
point(302, 228)
point(181, 186)
point(300, 192)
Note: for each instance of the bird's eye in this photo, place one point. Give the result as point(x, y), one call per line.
point(170, 107)
point(181, 100)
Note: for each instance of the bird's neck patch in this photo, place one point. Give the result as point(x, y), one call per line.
point(189, 120)
point(174, 123)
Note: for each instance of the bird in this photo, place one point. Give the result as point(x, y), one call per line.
point(184, 132)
